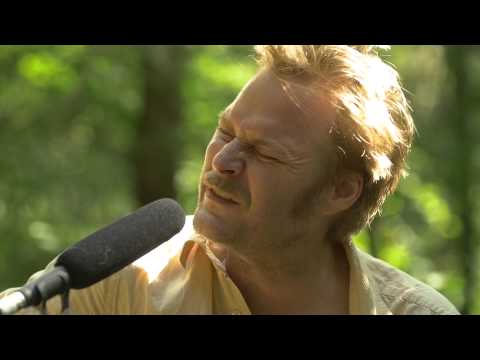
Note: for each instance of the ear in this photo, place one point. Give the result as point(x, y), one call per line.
point(345, 191)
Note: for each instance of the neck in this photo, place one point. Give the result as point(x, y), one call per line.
point(311, 277)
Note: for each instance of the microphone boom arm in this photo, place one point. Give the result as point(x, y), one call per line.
point(55, 282)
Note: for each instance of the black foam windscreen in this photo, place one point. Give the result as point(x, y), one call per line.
point(115, 246)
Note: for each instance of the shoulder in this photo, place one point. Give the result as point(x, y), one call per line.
point(402, 293)
point(128, 290)
point(168, 253)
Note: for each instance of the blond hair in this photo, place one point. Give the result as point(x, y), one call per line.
point(373, 129)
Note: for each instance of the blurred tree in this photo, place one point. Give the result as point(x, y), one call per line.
point(157, 149)
point(460, 110)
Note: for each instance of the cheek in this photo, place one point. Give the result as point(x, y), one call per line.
point(270, 190)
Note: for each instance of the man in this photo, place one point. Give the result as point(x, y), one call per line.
point(301, 160)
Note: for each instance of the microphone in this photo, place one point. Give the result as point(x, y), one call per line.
point(102, 254)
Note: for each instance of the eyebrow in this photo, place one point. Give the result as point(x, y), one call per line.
point(222, 117)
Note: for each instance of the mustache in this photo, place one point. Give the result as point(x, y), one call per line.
point(223, 185)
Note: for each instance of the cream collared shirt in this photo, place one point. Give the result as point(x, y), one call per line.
point(182, 276)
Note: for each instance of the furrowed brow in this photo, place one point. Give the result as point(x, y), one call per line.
point(268, 144)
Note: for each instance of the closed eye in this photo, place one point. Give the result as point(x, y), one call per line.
point(266, 157)
point(227, 137)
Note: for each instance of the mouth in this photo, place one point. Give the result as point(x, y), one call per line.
point(219, 196)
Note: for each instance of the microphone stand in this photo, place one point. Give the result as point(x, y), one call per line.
point(38, 292)
point(66, 302)
point(65, 299)
point(65, 295)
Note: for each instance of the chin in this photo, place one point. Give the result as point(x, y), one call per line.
point(212, 227)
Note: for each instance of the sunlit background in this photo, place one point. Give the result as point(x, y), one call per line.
point(90, 133)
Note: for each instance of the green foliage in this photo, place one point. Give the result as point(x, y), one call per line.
point(66, 129)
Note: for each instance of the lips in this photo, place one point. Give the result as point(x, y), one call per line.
point(219, 195)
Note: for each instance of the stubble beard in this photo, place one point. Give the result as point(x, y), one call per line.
point(270, 236)
point(211, 227)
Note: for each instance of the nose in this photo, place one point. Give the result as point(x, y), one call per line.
point(229, 160)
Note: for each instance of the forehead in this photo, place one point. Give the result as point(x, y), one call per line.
point(265, 105)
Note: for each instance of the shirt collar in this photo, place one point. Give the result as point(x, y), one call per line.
point(364, 297)
point(202, 242)
point(187, 247)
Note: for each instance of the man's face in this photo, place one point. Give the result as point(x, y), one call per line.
point(265, 170)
